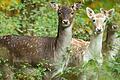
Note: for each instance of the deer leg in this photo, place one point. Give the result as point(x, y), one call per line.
point(5, 68)
point(7, 72)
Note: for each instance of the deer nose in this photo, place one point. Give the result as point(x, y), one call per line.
point(98, 30)
point(65, 21)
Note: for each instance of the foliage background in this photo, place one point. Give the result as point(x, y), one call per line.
point(36, 18)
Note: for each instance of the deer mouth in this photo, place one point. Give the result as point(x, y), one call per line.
point(66, 25)
point(98, 32)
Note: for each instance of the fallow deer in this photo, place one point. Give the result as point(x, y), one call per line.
point(94, 50)
point(99, 21)
point(83, 51)
point(33, 49)
point(111, 45)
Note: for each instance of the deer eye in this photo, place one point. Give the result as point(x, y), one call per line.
point(105, 20)
point(93, 20)
point(59, 13)
point(72, 13)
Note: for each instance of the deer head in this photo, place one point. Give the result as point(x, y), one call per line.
point(99, 20)
point(65, 13)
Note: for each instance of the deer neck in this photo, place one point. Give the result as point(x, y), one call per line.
point(111, 35)
point(95, 46)
point(112, 44)
point(63, 40)
point(64, 37)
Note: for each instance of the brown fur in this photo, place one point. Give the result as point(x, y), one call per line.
point(23, 48)
point(78, 48)
point(99, 15)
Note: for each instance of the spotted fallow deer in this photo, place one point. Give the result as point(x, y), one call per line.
point(95, 47)
point(83, 51)
point(92, 49)
point(33, 49)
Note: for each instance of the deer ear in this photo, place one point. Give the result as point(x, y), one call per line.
point(107, 13)
point(90, 12)
point(76, 6)
point(114, 27)
point(54, 5)
point(103, 11)
point(110, 12)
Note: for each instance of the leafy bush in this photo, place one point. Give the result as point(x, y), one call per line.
point(35, 17)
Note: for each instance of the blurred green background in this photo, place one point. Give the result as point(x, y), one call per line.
point(37, 18)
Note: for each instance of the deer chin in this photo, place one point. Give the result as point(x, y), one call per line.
point(98, 32)
point(65, 25)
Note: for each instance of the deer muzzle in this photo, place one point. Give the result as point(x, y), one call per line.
point(65, 22)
